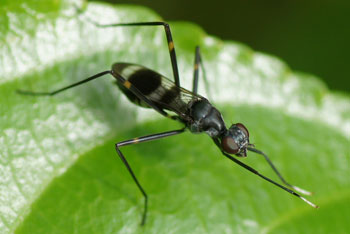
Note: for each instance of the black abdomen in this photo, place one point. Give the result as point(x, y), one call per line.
point(151, 84)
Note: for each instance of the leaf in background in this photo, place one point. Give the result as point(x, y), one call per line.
point(58, 168)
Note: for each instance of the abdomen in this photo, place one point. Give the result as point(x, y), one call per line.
point(157, 88)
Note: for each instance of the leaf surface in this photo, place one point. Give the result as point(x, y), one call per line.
point(59, 170)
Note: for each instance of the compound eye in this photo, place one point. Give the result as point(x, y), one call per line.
point(243, 129)
point(229, 145)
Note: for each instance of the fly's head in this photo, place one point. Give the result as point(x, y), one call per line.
point(236, 140)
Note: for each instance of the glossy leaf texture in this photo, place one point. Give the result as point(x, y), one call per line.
point(59, 171)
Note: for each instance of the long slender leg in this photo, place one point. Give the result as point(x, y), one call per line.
point(168, 37)
point(262, 176)
point(64, 88)
point(136, 141)
point(277, 172)
point(197, 59)
point(119, 78)
point(198, 62)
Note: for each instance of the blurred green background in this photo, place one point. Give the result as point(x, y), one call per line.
point(311, 36)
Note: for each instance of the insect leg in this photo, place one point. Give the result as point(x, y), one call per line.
point(119, 79)
point(136, 141)
point(168, 37)
point(198, 62)
point(64, 88)
point(277, 172)
point(262, 176)
point(197, 59)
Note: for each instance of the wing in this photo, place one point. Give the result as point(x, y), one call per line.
point(170, 97)
point(157, 88)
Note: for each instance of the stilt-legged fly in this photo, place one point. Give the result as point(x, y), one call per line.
point(147, 88)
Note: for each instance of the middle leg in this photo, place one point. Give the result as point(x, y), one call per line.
point(198, 63)
point(136, 141)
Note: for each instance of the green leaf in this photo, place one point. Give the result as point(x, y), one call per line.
point(58, 167)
